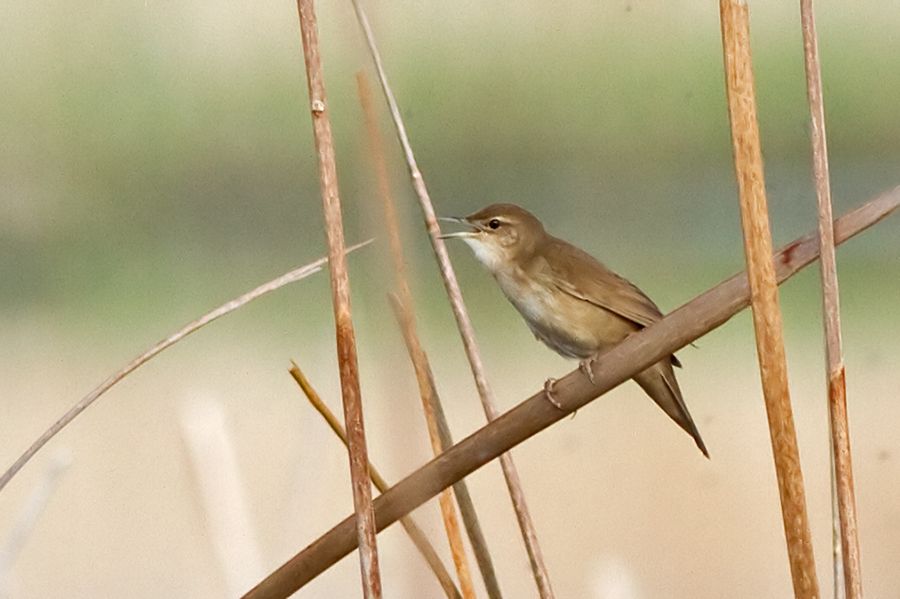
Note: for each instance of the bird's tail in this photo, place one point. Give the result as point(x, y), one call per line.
point(660, 384)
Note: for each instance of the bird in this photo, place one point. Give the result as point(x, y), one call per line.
point(571, 302)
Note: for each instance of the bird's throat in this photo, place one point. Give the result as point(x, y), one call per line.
point(490, 255)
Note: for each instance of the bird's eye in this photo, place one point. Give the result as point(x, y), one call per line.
point(494, 223)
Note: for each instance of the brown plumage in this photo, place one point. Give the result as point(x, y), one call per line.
point(570, 301)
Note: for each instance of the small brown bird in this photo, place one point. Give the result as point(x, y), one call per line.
point(570, 301)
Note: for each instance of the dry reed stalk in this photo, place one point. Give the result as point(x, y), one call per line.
point(382, 180)
point(838, 580)
point(846, 555)
point(433, 409)
point(412, 529)
point(429, 396)
point(340, 299)
point(430, 401)
point(464, 324)
point(766, 312)
point(95, 394)
point(702, 314)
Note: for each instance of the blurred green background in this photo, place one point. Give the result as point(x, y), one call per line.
point(156, 159)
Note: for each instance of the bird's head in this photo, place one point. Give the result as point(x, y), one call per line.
point(500, 234)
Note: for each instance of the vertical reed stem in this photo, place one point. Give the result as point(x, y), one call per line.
point(467, 332)
point(764, 292)
point(461, 489)
point(340, 292)
point(847, 552)
point(221, 493)
point(837, 553)
point(404, 307)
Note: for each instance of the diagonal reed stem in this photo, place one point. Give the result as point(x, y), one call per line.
point(412, 529)
point(847, 575)
point(98, 391)
point(340, 298)
point(429, 395)
point(438, 428)
point(764, 293)
point(702, 314)
point(467, 332)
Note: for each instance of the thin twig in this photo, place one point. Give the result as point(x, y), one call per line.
point(689, 322)
point(340, 299)
point(846, 560)
point(766, 312)
point(95, 394)
point(412, 529)
point(467, 332)
point(438, 428)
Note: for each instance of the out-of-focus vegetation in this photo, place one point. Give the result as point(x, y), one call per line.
point(153, 150)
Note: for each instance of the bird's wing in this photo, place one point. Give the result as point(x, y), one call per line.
point(603, 288)
point(596, 284)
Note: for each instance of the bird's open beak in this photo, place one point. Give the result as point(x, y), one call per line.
point(458, 234)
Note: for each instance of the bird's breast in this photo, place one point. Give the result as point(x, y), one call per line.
point(536, 302)
point(571, 327)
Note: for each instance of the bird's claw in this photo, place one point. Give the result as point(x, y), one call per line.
point(587, 367)
point(549, 394)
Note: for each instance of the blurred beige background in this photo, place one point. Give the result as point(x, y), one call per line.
point(156, 160)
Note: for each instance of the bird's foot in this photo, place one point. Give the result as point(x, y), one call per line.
point(549, 394)
point(587, 367)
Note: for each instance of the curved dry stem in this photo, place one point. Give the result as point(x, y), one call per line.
point(226, 308)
